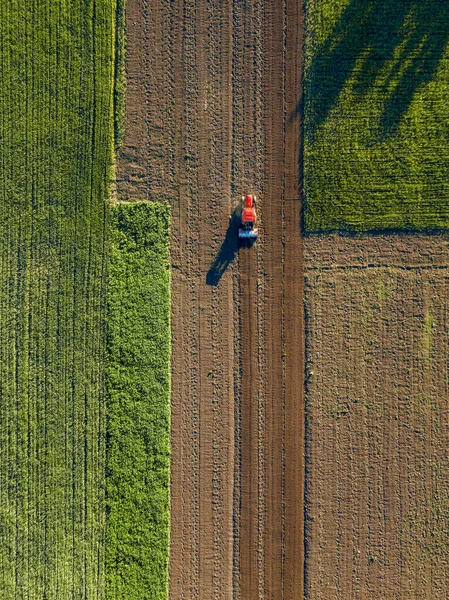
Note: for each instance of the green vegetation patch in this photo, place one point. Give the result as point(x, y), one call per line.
point(138, 363)
point(376, 115)
point(56, 136)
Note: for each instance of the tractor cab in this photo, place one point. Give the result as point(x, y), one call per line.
point(247, 229)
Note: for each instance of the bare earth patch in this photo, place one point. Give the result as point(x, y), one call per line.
point(377, 469)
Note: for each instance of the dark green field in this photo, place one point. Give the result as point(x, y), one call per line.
point(376, 115)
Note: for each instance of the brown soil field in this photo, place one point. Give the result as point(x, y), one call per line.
point(213, 111)
point(377, 414)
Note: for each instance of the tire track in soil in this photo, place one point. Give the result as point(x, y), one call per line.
point(185, 529)
point(247, 176)
point(213, 111)
point(272, 400)
point(293, 307)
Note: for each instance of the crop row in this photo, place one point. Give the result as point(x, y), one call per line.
point(376, 115)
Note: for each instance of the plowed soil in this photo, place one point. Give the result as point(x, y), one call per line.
point(212, 112)
point(377, 508)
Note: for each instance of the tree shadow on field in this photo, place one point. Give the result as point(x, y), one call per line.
point(228, 251)
point(402, 40)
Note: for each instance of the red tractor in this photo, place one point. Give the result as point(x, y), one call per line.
point(247, 229)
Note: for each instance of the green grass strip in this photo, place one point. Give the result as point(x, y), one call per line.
point(376, 115)
point(138, 382)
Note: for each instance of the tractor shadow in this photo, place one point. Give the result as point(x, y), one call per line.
point(229, 249)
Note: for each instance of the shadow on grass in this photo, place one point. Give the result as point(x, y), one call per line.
point(408, 36)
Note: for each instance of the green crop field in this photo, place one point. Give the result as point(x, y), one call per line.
point(376, 152)
point(56, 138)
point(138, 363)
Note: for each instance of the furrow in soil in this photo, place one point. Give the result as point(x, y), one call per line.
point(247, 151)
point(293, 308)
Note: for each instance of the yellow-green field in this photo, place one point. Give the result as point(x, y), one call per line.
point(376, 115)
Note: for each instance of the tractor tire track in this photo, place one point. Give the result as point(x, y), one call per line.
point(293, 308)
point(271, 549)
point(273, 264)
point(247, 177)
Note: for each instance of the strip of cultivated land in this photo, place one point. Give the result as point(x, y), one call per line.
point(376, 114)
point(138, 363)
point(377, 508)
point(213, 112)
point(55, 154)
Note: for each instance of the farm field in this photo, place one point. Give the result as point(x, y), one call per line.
point(56, 132)
point(376, 305)
point(213, 109)
point(377, 510)
point(137, 373)
point(213, 90)
point(376, 116)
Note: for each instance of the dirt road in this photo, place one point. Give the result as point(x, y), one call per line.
point(212, 112)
